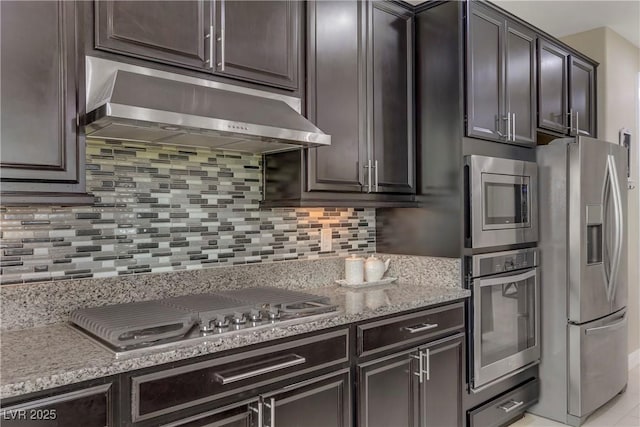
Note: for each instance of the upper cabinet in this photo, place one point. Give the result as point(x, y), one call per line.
point(257, 42)
point(359, 91)
point(390, 94)
point(42, 101)
point(567, 91)
point(501, 78)
point(173, 32)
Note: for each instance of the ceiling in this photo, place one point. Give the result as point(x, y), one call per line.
point(561, 17)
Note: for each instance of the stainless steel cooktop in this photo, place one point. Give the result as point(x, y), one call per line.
point(134, 328)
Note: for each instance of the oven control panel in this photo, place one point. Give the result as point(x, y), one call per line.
point(501, 262)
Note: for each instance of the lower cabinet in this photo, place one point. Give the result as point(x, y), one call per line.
point(389, 391)
point(89, 407)
point(418, 387)
point(319, 402)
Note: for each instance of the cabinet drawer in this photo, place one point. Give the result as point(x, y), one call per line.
point(505, 407)
point(416, 327)
point(170, 390)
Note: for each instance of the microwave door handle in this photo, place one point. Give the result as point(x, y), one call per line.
point(510, 278)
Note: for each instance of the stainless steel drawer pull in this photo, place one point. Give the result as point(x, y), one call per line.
point(293, 361)
point(421, 328)
point(511, 405)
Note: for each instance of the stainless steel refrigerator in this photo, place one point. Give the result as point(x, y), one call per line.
point(582, 242)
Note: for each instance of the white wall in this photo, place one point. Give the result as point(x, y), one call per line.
point(618, 107)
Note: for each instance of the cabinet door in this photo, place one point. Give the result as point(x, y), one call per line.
point(388, 392)
point(42, 78)
point(172, 32)
point(441, 389)
point(390, 77)
point(486, 118)
point(581, 96)
point(93, 406)
point(552, 87)
point(520, 72)
point(336, 105)
point(258, 41)
point(322, 402)
point(242, 416)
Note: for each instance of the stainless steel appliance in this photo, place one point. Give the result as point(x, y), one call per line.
point(502, 202)
point(136, 103)
point(582, 242)
point(128, 329)
point(504, 333)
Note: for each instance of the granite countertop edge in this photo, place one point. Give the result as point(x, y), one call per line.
point(101, 363)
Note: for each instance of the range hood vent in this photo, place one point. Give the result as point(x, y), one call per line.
point(140, 104)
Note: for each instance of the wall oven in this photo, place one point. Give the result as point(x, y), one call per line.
point(504, 327)
point(501, 202)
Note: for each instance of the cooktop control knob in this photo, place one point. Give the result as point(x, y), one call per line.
point(220, 322)
point(238, 318)
point(255, 315)
point(273, 314)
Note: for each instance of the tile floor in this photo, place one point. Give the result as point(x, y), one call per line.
point(621, 411)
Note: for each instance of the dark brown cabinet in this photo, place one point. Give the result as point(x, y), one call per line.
point(320, 402)
point(426, 383)
point(91, 406)
point(42, 77)
point(389, 392)
point(243, 415)
point(337, 50)
point(390, 91)
point(258, 41)
point(441, 390)
point(501, 82)
point(253, 41)
point(567, 91)
point(426, 379)
point(368, 111)
point(173, 32)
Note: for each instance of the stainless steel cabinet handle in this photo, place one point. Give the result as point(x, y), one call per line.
point(570, 114)
point(513, 127)
point(420, 328)
point(297, 360)
point(508, 118)
point(420, 373)
point(577, 123)
point(260, 411)
point(511, 405)
point(272, 412)
point(427, 355)
point(209, 36)
point(375, 165)
point(222, 36)
point(369, 178)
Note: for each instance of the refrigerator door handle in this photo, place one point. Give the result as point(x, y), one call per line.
point(608, 327)
point(618, 230)
point(619, 226)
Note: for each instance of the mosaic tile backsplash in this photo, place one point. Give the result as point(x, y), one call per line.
point(163, 208)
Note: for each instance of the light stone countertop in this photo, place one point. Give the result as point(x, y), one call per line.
point(51, 356)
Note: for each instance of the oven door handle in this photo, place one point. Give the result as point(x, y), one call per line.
point(507, 279)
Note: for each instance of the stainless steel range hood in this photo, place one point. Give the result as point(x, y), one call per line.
point(141, 104)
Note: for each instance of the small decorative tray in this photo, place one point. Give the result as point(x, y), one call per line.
point(383, 281)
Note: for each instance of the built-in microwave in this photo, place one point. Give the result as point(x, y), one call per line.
point(501, 202)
